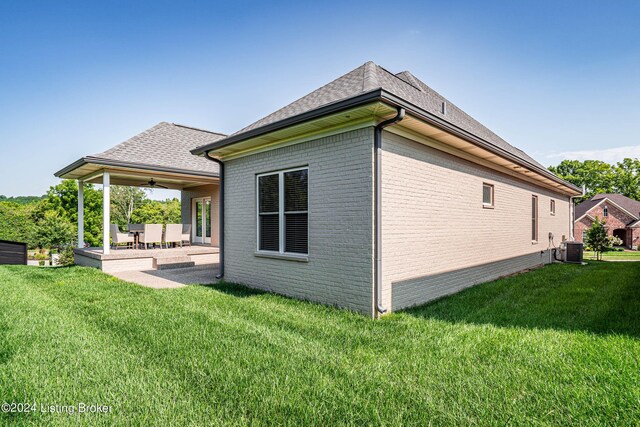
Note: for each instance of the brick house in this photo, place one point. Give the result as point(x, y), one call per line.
point(360, 194)
point(621, 215)
point(392, 178)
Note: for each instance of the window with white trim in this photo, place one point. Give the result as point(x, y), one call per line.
point(606, 211)
point(552, 207)
point(487, 195)
point(283, 216)
point(534, 218)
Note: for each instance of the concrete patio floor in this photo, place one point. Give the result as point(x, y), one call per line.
point(173, 278)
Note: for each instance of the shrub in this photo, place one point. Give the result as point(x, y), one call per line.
point(66, 256)
point(615, 241)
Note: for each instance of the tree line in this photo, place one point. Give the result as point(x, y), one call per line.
point(601, 177)
point(50, 221)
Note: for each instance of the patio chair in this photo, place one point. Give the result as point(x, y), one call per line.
point(152, 233)
point(173, 234)
point(118, 237)
point(186, 234)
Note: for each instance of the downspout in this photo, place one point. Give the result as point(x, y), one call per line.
point(573, 211)
point(377, 172)
point(220, 215)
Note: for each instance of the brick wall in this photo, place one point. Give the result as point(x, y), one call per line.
point(580, 227)
point(339, 267)
point(633, 237)
point(438, 238)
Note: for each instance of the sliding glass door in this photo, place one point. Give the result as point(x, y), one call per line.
point(201, 220)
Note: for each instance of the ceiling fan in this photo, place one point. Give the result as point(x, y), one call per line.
point(152, 184)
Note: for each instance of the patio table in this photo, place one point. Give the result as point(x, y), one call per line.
point(136, 230)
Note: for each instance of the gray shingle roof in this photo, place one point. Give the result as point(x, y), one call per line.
point(633, 206)
point(585, 207)
point(166, 145)
point(369, 77)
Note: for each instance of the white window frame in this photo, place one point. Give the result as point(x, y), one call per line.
point(493, 195)
point(552, 206)
point(605, 212)
point(281, 213)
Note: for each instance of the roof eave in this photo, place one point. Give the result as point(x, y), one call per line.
point(365, 98)
point(75, 165)
point(449, 127)
point(119, 163)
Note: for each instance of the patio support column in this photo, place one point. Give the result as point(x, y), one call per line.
point(80, 214)
point(106, 211)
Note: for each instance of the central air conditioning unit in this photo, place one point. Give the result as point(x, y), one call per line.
point(574, 252)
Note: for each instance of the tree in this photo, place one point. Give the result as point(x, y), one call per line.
point(63, 199)
point(600, 177)
point(156, 212)
point(597, 238)
point(53, 231)
point(597, 176)
point(57, 213)
point(627, 178)
point(21, 200)
point(124, 200)
point(16, 223)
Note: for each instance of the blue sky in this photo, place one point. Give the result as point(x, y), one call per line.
point(557, 79)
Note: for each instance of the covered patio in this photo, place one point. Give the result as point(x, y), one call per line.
point(157, 158)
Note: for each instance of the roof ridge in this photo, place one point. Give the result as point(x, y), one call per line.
point(413, 80)
point(370, 77)
point(395, 76)
point(164, 144)
point(309, 96)
point(428, 90)
point(367, 79)
point(134, 137)
point(198, 129)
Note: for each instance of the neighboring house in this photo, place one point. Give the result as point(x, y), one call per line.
point(375, 193)
point(620, 213)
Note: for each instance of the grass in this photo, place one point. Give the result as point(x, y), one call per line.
point(560, 345)
point(614, 256)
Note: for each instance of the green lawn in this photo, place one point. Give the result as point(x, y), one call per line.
point(614, 256)
point(560, 345)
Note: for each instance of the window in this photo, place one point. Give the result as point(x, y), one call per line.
point(487, 195)
point(283, 211)
point(553, 207)
point(606, 211)
point(584, 236)
point(534, 218)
